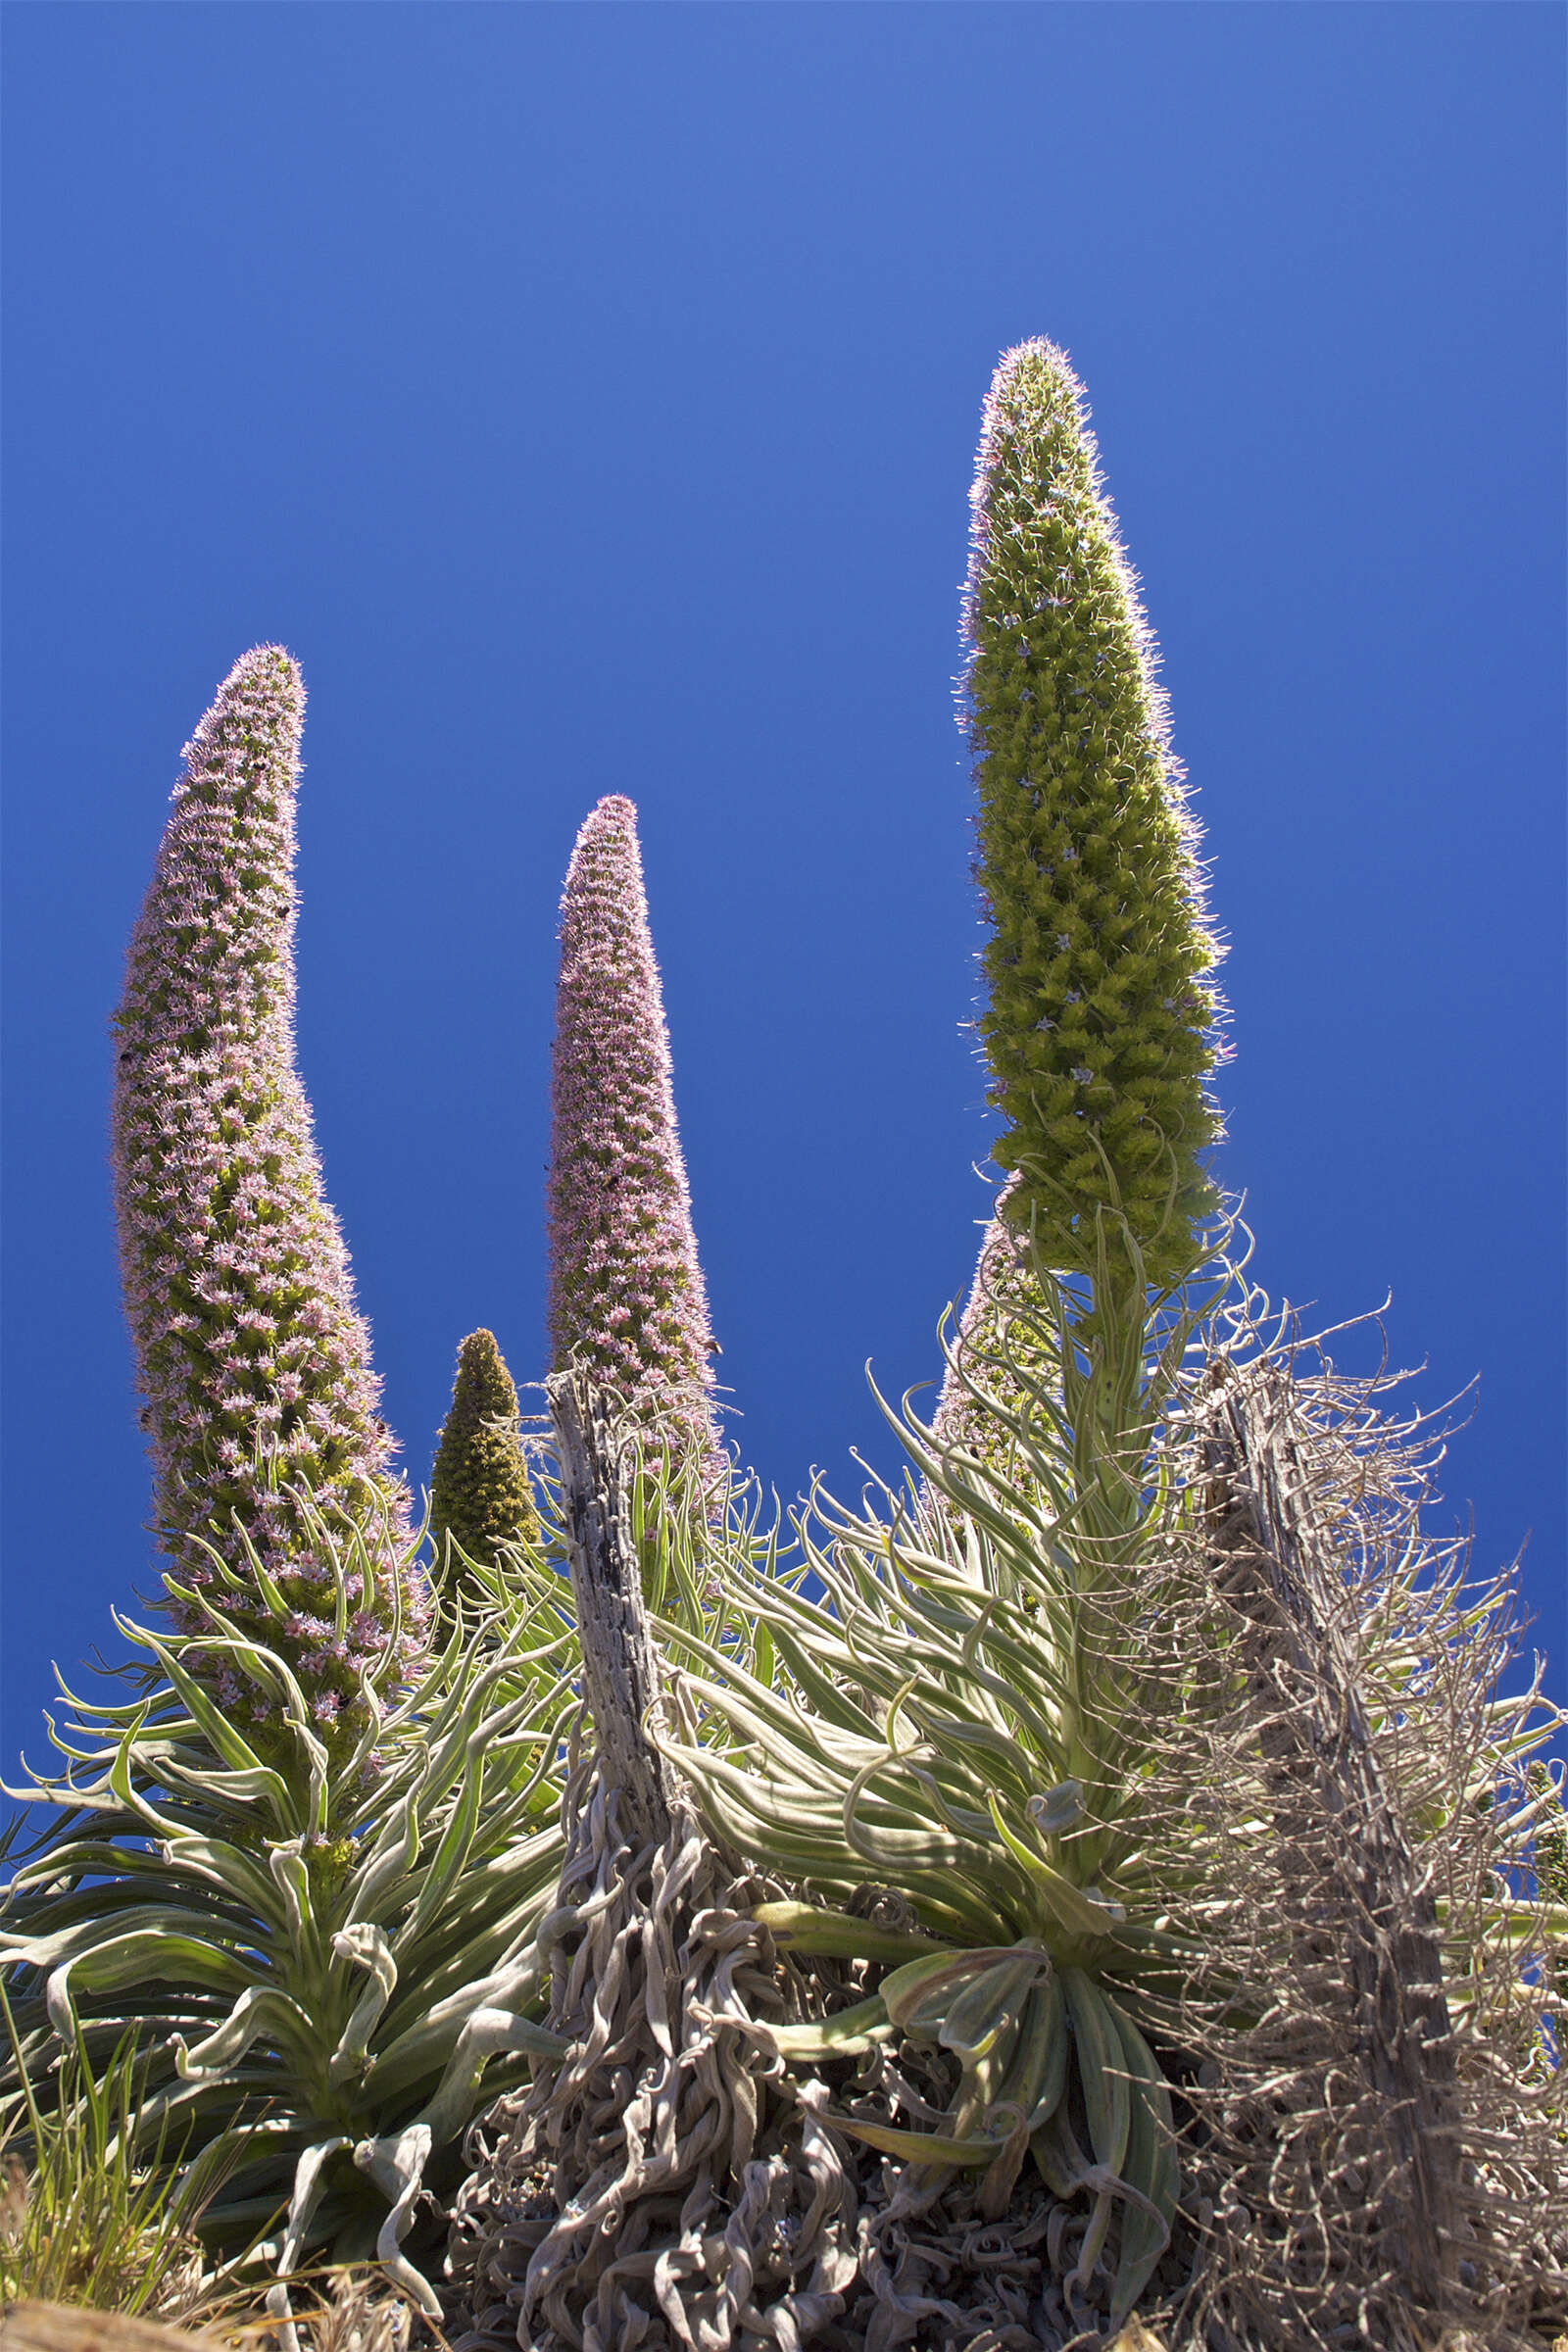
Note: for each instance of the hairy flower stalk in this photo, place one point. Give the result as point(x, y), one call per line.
point(479, 1490)
point(253, 1363)
point(626, 1293)
point(1099, 1019)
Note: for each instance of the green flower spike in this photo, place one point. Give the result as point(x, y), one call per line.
point(1099, 1015)
point(479, 1490)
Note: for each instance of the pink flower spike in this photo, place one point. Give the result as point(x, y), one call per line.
point(236, 1280)
point(626, 1291)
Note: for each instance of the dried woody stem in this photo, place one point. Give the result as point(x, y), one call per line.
point(1373, 1908)
point(620, 1663)
point(662, 2186)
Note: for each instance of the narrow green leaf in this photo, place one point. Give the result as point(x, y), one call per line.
point(804, 1928)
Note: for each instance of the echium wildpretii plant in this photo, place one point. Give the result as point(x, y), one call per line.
point(1099, 1019)
point(479, 1489)
point(626, 1291)
point(253, 1363)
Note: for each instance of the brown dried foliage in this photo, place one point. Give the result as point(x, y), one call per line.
point(1377, 2148)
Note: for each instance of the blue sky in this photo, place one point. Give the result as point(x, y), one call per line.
point(587, 395)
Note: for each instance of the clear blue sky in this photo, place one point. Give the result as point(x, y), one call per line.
point(587, 395)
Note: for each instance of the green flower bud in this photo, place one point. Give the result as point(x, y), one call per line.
point(479, 1490)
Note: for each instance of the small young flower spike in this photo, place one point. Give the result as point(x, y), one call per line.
point(996, 1321)
point(1099, 1016)
point(479, 1490)
point(626, 1293)
point(253, 1363)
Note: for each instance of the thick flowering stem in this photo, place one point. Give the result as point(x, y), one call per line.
point(479, 1489)
point(1099, 1016)
point(626, 1295)
point(253, 1363)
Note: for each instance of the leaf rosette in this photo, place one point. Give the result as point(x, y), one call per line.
point(961, 1707)
point(326, 1964)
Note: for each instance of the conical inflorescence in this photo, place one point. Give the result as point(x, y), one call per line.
point(1099, 1015)
point(479, 1489)
point(252, 1359)
point(626, 1293)
point(999, 1338)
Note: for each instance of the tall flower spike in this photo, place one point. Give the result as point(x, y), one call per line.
point(479, 1490)
point(626, 1295)
point(253, 1363)
point(1099, 1015)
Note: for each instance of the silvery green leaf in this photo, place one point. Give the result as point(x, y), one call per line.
point(306, 2194)
point(260, 2010)
point(366, 1947)
point(396, 2163)
point(1056, 1809)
